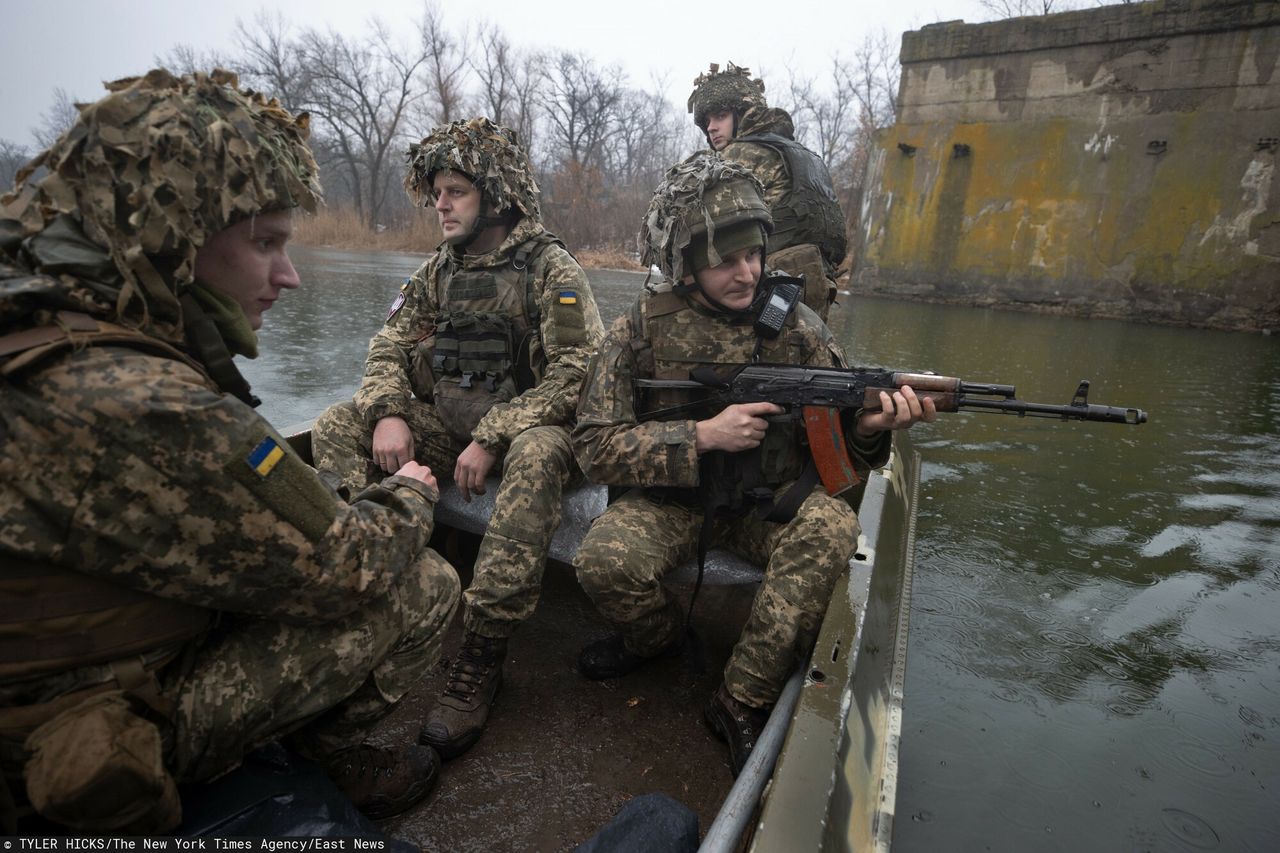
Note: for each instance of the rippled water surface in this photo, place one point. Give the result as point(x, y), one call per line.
point(1095, 639)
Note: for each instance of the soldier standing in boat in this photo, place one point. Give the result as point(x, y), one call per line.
point(808, 237)
point(177, 586)
point(477, 370)
point(742, 472)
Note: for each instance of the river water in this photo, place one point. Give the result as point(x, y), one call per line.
point(1094, 660)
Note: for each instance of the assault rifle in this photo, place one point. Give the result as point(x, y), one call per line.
point(821, 393)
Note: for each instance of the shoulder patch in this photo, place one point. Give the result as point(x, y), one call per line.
point(398, 302)
point(568, 297)
point(263, 458)
point(277, 476)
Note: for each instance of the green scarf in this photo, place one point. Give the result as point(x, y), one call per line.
point(230, 319)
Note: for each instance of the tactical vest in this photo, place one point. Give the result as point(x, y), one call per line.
point(672, 338)
point(53, 619)
point(808, 211)
point(486, 347)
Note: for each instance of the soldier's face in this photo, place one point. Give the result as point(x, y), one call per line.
point(249, 263)
point(732, 282)
point(720, 129)
point(457, 205)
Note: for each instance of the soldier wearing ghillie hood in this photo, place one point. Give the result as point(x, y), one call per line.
point(476, 372)
point(178, 586)
point(702, 476)
point(808, 237)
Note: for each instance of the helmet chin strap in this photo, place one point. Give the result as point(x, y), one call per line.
point(482, 224)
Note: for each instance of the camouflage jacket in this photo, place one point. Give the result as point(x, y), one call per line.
point(388, 386)
point(797, 186)
point(765, 163)
point(615, 446)
point(132, 467)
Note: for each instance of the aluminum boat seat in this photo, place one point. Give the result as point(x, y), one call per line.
point(581, 506)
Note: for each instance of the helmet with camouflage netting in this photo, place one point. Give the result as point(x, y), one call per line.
point(732, 90)
point(487, 153)
point(704, 207)
point(149, 173)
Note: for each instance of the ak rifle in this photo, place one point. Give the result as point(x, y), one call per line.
point(820, 394)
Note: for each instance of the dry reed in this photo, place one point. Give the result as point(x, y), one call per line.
point(341, 228)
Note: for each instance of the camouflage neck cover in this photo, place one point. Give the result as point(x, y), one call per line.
point(696, 197)
point(154, 169)
point(730, 90)
point(487, 153)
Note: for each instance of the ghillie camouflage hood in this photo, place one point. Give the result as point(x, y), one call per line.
point(138, 184)
point(731, 90)
point(696, 197)
point(487, 153)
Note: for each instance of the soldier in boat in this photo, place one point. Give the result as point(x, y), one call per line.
point(477, 370)
point(737, 477)
point(178, 586)
point(808, 237)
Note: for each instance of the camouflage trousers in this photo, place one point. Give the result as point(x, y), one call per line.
point(324, 684)
point(636, 542)
point(806, 260)
point(535, 470)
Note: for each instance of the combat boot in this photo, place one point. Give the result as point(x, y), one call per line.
point(384, 782)
point(736, 724)
point(457, 720)
point(609, 658)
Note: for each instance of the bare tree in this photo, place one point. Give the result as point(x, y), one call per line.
point(581, 101)
point(360, 91)
point(825, 120)
point(272, 60)
point(509, 81)
point(1026, 8)
point(55, 120)
point(12, 158)
point(186, 59)
point(445, 66)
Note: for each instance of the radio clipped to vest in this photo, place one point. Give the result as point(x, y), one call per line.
point(780, 300)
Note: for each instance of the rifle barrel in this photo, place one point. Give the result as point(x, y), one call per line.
point(1071, 412)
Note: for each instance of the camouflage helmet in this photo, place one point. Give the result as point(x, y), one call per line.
point(695, 198)
point(487, 153)
point(731, 90)
point(155, 168)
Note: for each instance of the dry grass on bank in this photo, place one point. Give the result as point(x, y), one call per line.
point(607, 259)
point(341, 228)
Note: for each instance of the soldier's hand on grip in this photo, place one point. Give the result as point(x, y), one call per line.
point(738, 427)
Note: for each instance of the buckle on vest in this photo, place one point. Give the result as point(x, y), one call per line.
point(490, 381)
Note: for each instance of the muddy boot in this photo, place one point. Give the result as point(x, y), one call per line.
point(384, 782)
point(609, 658)
point(736, 724)
point(459, 715)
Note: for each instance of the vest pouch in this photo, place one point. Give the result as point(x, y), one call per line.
point(99, 767)
point(461, 408)
point(806, 260)
point(422, 379)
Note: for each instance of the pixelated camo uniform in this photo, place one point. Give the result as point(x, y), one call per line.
point(654, 528)
point(529, 432)
point(770, 168)
point(131, 468)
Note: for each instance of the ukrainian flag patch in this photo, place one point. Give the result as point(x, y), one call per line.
point(568, 297)
point(265, 456)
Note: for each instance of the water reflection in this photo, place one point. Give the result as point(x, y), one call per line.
point(1094, 661)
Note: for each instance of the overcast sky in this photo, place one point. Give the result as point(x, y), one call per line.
point(77, 44)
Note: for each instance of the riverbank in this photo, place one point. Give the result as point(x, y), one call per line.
point(343, 228)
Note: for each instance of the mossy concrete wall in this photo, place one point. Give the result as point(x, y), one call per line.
point(1114, 162)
